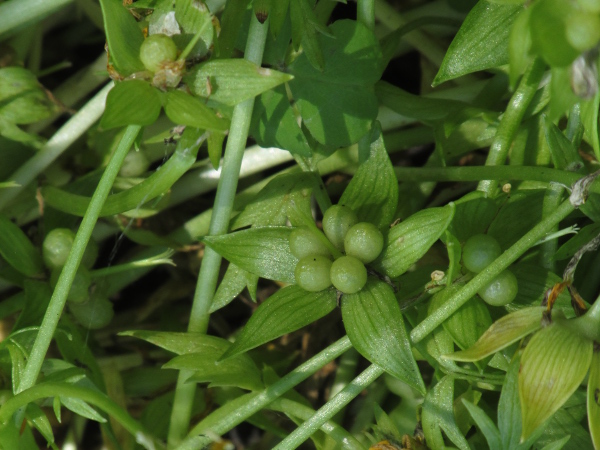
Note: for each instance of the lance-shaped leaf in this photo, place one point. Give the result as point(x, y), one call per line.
point(373, 190)
point(485, 424)
point(482, 41)
point(288, 310)
point(131, 102)
point(17, 249)
point(553, 365)
point(81, 408)
point(502, 333)
point(262, 251)
point(234, 282)
point(593, 398)
point(184, 109)
point(375, 326)
point(408, 241)
point(305, 31)
point(40, 421)
point(231, 81)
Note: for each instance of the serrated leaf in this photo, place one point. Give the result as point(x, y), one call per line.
point(17, 249)
point(131, 102)
point(485, 424)
point(289, 309)
point(502, 333)
point(233, 283)
point(233, 80)
point(184, 109)
point(482, 41)
point(373, 190)
point(263, 251)
point(124, 37)
point(375, 326)
point(593, 399)
point(338, 104)
point(553, 365)
point(408, 241)
point(81, 408)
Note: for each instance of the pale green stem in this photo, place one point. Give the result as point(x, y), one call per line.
point(327, 411)
point(219, 224)
point(65, 280)
point(365, 13)
point(511, 119)
point(489, 273)
point(17, 13)
point(343, 375)
point(58, 143)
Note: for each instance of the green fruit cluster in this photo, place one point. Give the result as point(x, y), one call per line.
point(479, 252)
point(362, 243)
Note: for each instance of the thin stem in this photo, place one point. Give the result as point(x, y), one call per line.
point(327, 411)
point(15, 14)
point(228, 416)
point(58, 143)
point(219, 224)
point(511, 119)
point(65, 280)
point(486, 276)
point(365, 13)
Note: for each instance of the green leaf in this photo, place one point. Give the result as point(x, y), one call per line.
point(533, 282)
point(553, 366)
point(232, 80)
point(485, 424)
point(131, 102)
point(35, 414)
point(274, 124)
point(519, 46)
point(375, 326)
point(194, 18)
point(184, 109)
point(438, 414)
point(593, 399)
point(263, 251)
point(474, 213)
point(232, 21)
point(408, 241)
point(81, 408)
point(37, 297)
point(502, 333)
point(305, 32)
point(233, 283)
point(215, 148)
point(277, 15)
point(373, 190)
point(563, 152)
point(548, 32)
point(288, 310)
point(557, 445)
point(124, 37)
point(338, 104)
point(17, 249)
point(509, 407)
point(482, 41)
point(589, 117)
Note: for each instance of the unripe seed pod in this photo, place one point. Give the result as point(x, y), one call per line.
point(348, 274)
point(57, 246)
point(337, 220)
point(501, 290)
point(479, 252)
point(312, 273)
point(156, 50)
point(304, 242)
point(364, 241)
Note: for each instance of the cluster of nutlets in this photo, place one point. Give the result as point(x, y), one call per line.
point(362, 242)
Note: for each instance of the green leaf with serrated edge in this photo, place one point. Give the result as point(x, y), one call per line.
point(17, 249)
point(589, 117)
point(233, 80)
point(408, 241)
point(375, 326)
point(124, 37)
point(35, 414)
point(194, 18)
point(215, 148)
point(474, 213)
point(81, 408)
point(305, 27)
point(263, 251)
point(502, 333)
point(481, 43)
point(239, 371)
point(373, 190)
point(564, 154)
point(519, 46)
point(485, 424)
point(593, 398)
point(289, 309)
point(437, 414)
point(274, 124)
point(553, 365)
point(184, 109)
point(131, 102)
point(338, 104)
point(233, 283)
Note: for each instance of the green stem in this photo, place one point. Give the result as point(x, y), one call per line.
point(588, 325)
point(219, 224)
point(153, 261)
point(65, 280)
point(327, 411)
point(343, 375)
point(94, 397)
point(486, 276)
point(58, 143)
point(365, 13)
point(228, 416)
point(16, 14)
point(511, 119)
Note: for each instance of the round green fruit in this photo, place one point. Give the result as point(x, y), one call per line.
point(337, 220)
point(502, 290)
point(156, 50)
point(364, 241)
point(304, 242)
point(57, 246)
point(348, 274)
point(135, 164)
point(583, 30)
point(479, 252)
point(96, 313)
point(312, 273)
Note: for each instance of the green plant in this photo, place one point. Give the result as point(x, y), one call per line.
point(437, 225)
